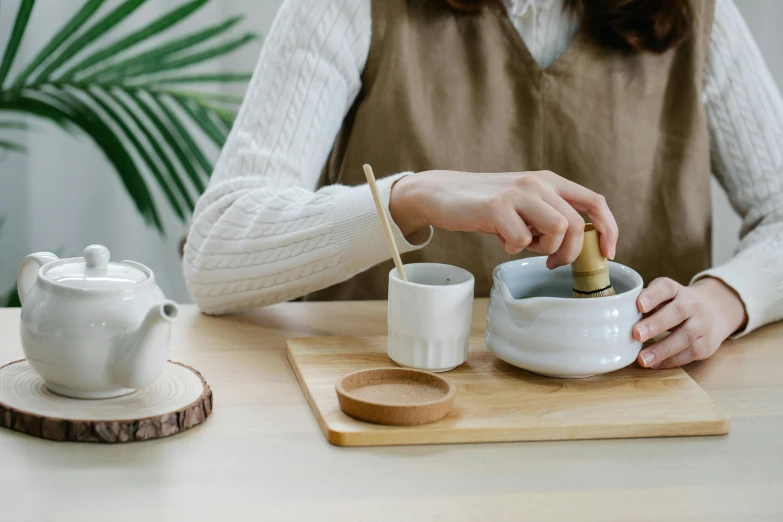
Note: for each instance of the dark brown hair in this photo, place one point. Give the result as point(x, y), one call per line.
point(631, 25)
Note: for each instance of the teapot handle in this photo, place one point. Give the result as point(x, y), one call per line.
point(28, 272)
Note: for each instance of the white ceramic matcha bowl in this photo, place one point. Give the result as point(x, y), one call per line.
point(535, 324)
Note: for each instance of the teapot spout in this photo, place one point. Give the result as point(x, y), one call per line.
point(143, 359)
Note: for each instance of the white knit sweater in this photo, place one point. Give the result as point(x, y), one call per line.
point(262, 234)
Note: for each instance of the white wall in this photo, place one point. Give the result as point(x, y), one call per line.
point(64, 193)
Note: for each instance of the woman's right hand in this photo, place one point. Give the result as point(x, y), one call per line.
point(534, 210)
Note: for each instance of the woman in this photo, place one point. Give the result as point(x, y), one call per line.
point(497, 119)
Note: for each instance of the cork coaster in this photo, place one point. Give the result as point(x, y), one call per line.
point(395, 396)
point(178, 400)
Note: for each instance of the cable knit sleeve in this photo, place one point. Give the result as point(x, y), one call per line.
point(261, 234)
point(745, 113)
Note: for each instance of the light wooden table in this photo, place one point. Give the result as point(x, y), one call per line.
point(261, 456)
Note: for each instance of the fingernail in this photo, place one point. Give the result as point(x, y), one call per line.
point(647, 358)
point(612, 252)
point(643, 304)
point(642, 329)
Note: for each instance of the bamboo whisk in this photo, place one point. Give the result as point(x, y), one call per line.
point(591, 269)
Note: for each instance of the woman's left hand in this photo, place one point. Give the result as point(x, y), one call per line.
point(700, 317)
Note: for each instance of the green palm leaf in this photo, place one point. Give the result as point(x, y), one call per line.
point(79, 19)
point(17, 125)
point(10, 145)
point(100, 28)
point(161, 24)
point(65, 109)
point(204, 78)
point(20, 24)
point(182, 190)
point(196, 58)
point(142, 151)
point(11, 299)
point(123, 99)
point(193, 150)
point(173, 141)
point(202, 98)
point(148, 60)
point(19, 102)
point(202, 119)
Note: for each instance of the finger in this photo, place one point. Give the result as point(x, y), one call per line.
point(659, 291)
point(550, 223)
point(572, 240)
point(673, 344)
point(512, 230)
point(698, 351)
point(669, 316)
point(594, 205)
point(536, 247)
point(684, 357)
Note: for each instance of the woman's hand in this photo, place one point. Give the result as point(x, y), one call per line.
point(534, 210)
point(700, 318)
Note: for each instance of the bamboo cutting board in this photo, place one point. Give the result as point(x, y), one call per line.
point(497, 402)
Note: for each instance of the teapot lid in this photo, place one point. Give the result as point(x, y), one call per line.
point(95, 272)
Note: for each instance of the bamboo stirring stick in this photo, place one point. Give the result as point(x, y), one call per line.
point(590, 270)
point(384, 221)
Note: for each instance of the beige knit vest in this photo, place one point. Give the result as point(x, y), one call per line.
point(452, 91)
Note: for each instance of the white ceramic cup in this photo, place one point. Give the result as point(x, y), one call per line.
point(430, 316)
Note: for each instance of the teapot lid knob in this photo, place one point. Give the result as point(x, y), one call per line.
point(96, 256)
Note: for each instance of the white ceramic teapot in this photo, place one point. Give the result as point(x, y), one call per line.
point(93, 329)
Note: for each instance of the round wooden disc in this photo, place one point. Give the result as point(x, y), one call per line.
point(395, 396)
point(175, 402)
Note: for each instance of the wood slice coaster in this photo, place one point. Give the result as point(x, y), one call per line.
point(395, 396)
point(175, 402)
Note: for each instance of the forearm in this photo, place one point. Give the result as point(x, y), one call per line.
point(252, 246)
point(745, 113)
point(261, 233)
point(755, 274)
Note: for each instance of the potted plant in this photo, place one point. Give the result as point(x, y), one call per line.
point(132, 95)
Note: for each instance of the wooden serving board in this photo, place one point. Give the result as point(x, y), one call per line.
point(497, 402)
